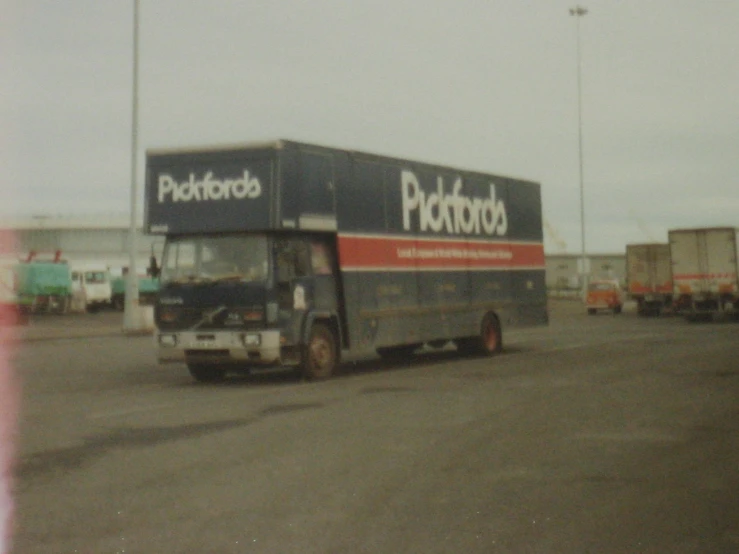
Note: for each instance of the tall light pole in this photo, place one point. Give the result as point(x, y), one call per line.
point(131, 314)
point(578, 12)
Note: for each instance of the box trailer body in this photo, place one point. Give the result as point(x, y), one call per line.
point(337, 250)
point(649, 277)
point(704, 270)
point(44, 286)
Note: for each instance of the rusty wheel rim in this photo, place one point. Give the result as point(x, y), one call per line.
point(490, 337)
point(320, 354)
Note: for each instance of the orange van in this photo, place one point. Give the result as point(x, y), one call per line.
point(604, 294)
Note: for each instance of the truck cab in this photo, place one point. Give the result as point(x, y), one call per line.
point(604, 295)
point(234, 301)
point(93, 284)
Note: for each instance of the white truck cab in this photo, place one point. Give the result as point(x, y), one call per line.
point(93, 284)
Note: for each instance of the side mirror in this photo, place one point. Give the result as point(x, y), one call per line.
point(153, 269)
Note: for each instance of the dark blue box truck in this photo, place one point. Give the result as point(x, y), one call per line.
point(285, 253)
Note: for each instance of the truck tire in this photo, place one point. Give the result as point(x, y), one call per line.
point(488, 343)
point(62, 305)
point(206, 373)
point(319, 357)
point(118, 302)
point(491, 337)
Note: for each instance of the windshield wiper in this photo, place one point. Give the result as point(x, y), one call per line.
point(186, 280)
point(195, 280)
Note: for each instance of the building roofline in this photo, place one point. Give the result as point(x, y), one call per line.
point(57, 222)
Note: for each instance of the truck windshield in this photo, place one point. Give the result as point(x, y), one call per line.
point(241, 258)
point(95, 277)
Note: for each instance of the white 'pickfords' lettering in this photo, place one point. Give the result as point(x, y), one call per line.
point(208, 188)
point(453, 212)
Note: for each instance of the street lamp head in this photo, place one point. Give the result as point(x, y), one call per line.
point(578, 11)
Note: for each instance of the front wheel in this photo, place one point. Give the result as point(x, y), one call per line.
point(319, 357)
point(205, 373)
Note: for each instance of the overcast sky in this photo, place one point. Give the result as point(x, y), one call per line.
point(489, 85)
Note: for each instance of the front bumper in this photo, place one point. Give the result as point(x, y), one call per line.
point(226, 347)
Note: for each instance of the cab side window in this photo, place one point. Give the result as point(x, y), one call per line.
point(293, 260)
point(321, 258)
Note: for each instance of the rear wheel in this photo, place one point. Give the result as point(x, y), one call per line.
point(491, 337)
point(617, 309)
point(205, 373)
point(319, 357)
point(489, 342)
point(592, 311)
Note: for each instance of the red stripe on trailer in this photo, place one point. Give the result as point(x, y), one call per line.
point(372, 252)
point(638, 288)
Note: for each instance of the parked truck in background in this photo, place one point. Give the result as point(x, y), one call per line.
point(92, 283)
point(44, 286)
point(285, 253)
point(148, 288)
point(704, 271)
point(649, 277)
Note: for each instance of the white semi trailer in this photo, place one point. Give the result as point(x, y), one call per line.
point(649, 277)
point(704, 271)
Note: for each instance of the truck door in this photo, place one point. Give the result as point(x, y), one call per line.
point(292, 259)
point(686, 268)
point(306, 278)
point(720, 260)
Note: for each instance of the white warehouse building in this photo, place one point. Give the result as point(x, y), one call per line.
point(82, 239)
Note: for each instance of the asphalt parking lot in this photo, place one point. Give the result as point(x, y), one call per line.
point(595, 434)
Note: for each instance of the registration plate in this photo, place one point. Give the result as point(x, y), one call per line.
point(204, 341)
point(203, 344)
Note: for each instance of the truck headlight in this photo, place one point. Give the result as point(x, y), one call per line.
point(168, 340)
point(251, 339)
